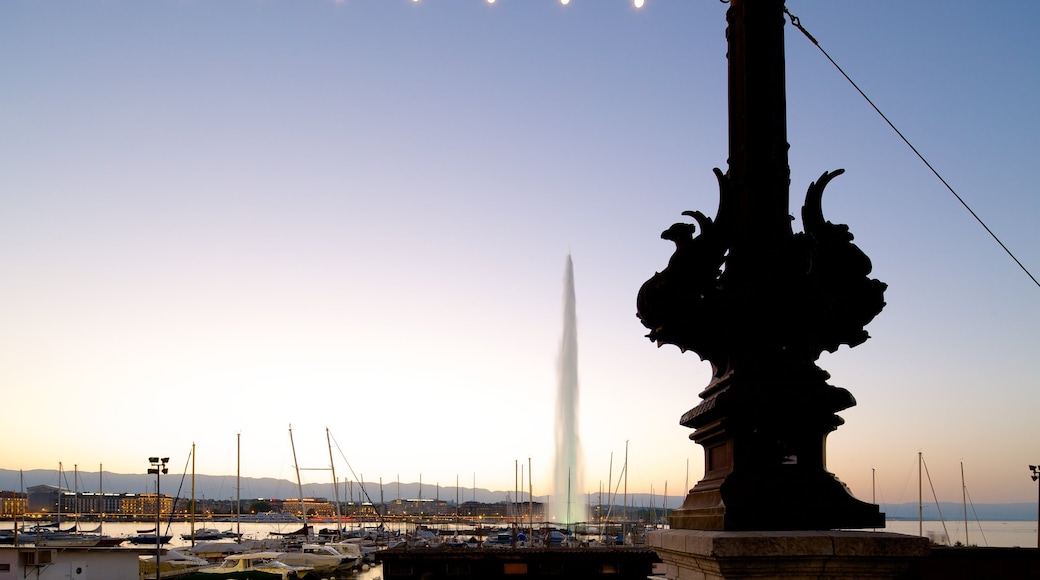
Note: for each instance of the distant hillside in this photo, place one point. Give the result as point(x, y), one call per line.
point(222, 487)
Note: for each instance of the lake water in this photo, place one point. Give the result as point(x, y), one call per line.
point(982, 534)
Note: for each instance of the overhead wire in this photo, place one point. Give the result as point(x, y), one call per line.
point(796, 22)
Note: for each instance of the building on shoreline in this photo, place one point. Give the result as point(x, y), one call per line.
point(13, 503)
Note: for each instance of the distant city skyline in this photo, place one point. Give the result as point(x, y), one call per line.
point(220, 219)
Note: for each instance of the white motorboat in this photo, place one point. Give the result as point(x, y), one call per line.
point(349, 549)
point(323, 559)
point(260, 562)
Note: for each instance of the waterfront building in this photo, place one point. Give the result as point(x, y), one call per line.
point(43, 498)
point(13, 503)
point(91, 502)
point(144, 504)
point(311, 506)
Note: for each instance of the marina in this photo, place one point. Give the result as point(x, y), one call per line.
point(995, 534)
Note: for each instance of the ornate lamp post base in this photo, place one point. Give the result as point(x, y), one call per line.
point(765, 459)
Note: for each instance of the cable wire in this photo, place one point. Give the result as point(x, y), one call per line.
point(797, 24)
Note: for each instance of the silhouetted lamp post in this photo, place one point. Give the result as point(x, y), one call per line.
point(761, 303)
point(1036, 475)
point(158, 467)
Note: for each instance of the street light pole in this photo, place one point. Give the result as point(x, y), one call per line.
point(158, 466)
point(1036, 475)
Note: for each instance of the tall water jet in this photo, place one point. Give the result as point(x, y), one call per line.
point(566, 503)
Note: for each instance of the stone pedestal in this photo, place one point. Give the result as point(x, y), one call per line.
point(715, 555)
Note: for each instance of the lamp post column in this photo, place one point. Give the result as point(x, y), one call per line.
point(158, 466)
point(1035, 474)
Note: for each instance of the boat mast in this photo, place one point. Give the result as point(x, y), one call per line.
point(530, 493)
point(623, 536)
point(920, 497)
point(238, 486)
point(192, 493)
point(101, 503)
point(59, 495)
point(964, 500)
point(335, 482)
point(567, 521)
point(664, 503)
point(299, 484)
point(610, 482)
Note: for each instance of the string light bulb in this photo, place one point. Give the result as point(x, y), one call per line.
point(638, 3)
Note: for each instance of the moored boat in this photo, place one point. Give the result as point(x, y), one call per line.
point(170, 563)
point(203, 535)
point(152, 539)
point(212, 552)
point(323, 559)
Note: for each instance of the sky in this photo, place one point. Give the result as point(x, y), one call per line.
point(222, 219)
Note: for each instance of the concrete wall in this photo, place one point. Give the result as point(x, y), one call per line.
point(68, 564)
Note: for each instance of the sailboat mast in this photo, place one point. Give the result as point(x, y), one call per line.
point(568, 520)
point(610, 482)
point(192, 493)
point(920, 497)
point(59, 494)
point(238, 486)
point(299, 484)
point(626, 494)
point(335, 482)
point(101, 493)
point(964, 500)
point(530, 493)
point(664, 503)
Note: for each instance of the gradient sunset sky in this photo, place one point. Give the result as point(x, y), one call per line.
point(220, 218)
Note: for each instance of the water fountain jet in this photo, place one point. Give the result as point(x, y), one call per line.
point(566, 508)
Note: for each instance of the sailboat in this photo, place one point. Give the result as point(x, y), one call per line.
point(151, 535)
point(57, 537)
point(306, 530)
point(200, 534)
point(103, 540)
point(920, 498)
